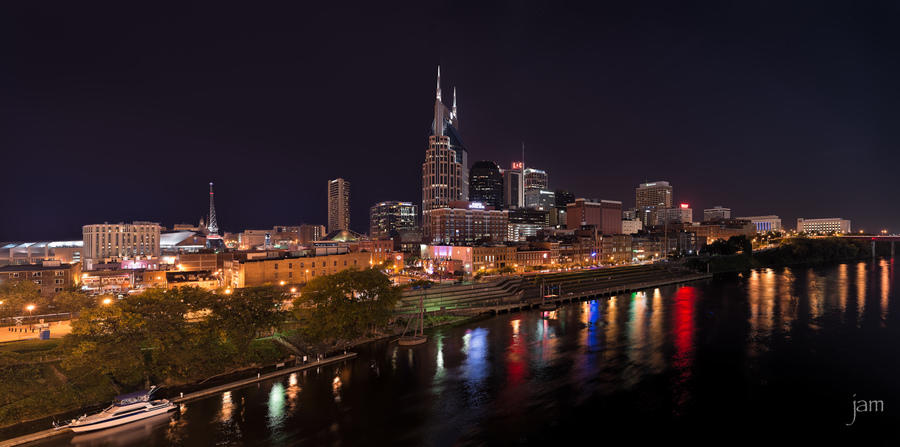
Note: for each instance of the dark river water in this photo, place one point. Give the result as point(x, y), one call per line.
point(770, 356)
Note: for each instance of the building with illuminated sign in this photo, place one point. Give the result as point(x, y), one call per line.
point(486, 184)
point(682, 214)
point(386, 219)
point(513, 187)
point(465, 223)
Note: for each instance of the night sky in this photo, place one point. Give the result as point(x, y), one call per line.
point(114, 112)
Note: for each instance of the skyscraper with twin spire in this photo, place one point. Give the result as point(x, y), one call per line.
point(445, 176)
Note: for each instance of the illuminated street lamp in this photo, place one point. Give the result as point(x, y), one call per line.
point(281, 282)
point(293, 290)
point(29, 308)
point(228, 291)
point(107, 301)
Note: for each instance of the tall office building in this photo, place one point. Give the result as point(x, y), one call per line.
point(649, 197)
point(338, 205)
point(120, 241)
point(445, 176)
point(486, 184)
point(656, 194)
point(514, 186)
point(387, 219)
point(536, 179)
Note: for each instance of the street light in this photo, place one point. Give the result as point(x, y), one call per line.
point(107, 301)
point(29, 308)
point(281, 282)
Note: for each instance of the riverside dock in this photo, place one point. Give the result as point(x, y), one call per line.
point(50, 433)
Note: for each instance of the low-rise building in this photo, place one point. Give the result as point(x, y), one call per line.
point(764, 223)
point(15, 253)
point(50, 276)
point(708, 232)
point(716, 213)
point(534, 257)
point(615, 249)
point(823, 225)
point(295, 269)
point(472, 259)
point(203, 279)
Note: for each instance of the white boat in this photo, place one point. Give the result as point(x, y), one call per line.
point(125, 408)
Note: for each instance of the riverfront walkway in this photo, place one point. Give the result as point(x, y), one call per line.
point(195, 395)
point(525, 292)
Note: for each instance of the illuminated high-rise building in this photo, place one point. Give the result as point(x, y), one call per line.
point(338, 205)
point(486, 184)
point(387, 219)
point(445, 170)
point(650, 197)
point(514, 186)
point(536, 180)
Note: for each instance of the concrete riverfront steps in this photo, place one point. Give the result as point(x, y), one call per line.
point(193, 396)
point(524, 292)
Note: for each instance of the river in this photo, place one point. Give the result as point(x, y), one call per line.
point(771, 355)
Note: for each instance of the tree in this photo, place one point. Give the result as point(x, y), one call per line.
point(106, 341)
point(16, 295)
point(239, 317)
point(345, 305)
point(73, 300)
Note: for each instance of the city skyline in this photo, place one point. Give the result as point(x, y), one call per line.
point(697, 120)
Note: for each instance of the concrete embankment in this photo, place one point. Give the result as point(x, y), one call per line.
point(195, 395)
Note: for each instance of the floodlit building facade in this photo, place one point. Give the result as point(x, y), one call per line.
point(338, 205)
point(120, 241)
point(465, 223)
point(764, 223)
point(824, 225)
point(445, 173)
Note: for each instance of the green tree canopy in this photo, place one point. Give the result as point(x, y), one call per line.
point(16, 295)
point(345, 305)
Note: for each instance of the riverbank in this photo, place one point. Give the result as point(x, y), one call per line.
point(226, 380)
point(49, 433)
point(572, 292)
point(793, 252)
